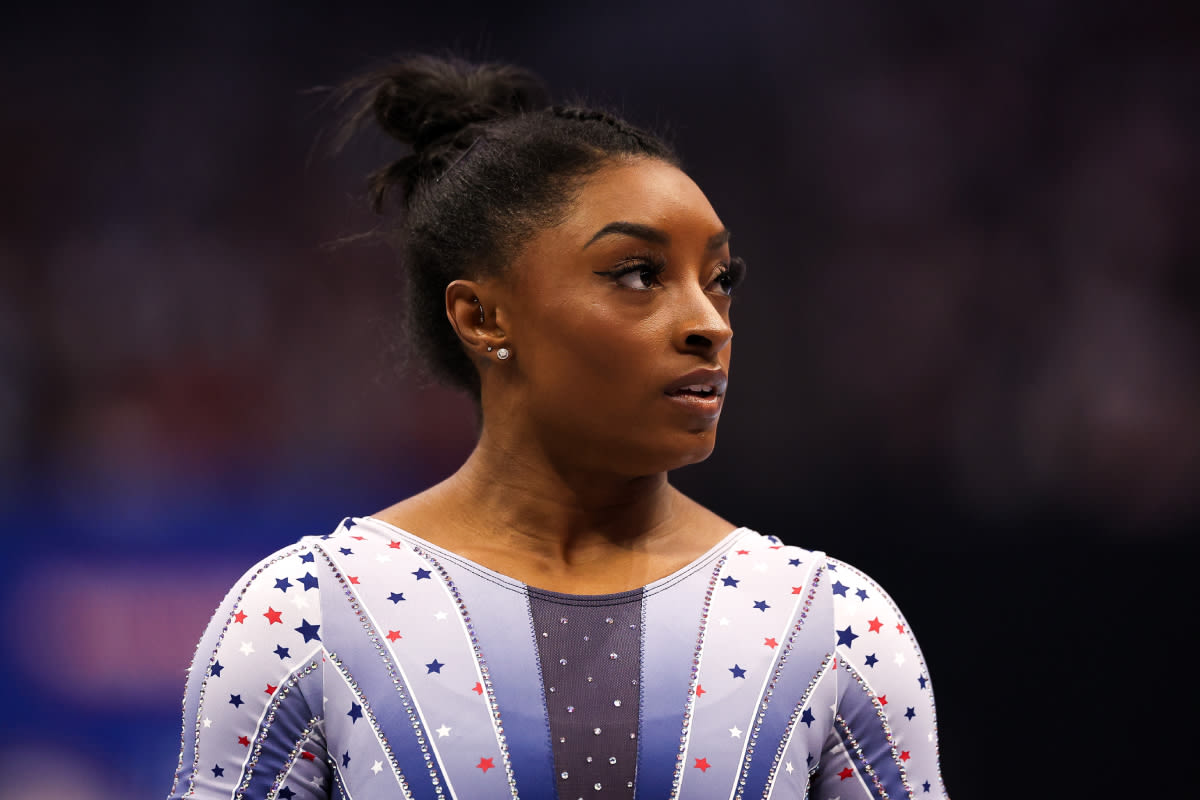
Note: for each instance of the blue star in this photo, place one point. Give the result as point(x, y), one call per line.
point(434, 666)
point(216, 669)
point(282, 652)
point(921, 680)
point(346, 551)
point(729, 580)
point(307, 558)
point(832, 567)
point(761, 605)
point(738, 672)
point(810, 760)
point(793, 562)
point(910, 713)
point(807, 717)
point(355, 712)
point(283, 584)
point(396, 597)
point(840, 588)
point(422, 574)
point(285, 794)
point(236, 700)
point(346, 759)
point(309, 581)
point(872, 660)
point(846, 637)
point(349, 523)
point(217, 771)
point(773, 539)
point(925, 786)
point(308, 631)
point(862, 595)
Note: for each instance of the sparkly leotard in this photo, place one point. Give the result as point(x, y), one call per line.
point(369, 663)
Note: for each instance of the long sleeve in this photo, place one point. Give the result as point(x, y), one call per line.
point(884, 733)
point(252, 711)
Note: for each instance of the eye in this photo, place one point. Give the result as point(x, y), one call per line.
point(640, 275)
point(729, 276)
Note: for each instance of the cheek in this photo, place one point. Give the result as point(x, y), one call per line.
point(596, 350)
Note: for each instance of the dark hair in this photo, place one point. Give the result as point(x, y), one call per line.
point(490, 163)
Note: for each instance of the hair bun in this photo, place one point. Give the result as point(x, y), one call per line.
point(423, 99)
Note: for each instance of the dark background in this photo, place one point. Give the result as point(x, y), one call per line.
point(968, 354)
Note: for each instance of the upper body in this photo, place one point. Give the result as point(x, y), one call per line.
point(568, 274)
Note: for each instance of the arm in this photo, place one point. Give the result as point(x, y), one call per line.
point(248, 724)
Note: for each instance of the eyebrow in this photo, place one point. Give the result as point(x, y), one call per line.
point(650, 234)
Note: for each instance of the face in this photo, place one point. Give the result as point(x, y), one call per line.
point(619, 322)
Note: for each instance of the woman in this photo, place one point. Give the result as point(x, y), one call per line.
point(555, 619)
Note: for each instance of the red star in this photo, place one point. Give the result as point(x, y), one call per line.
point(775, 547)
point(846, 773)
point(271, 689)
point(899, 628)
point(394, 635)
point(240, 617)
point(395, 545)
point(352, 579)
point(883, 699)
point(273, 615)
point(702, 764)
point(244, 741)
point(478, 688)
point(360, 538)
point(904, 756)
point(796, 589)
point(307, 756)
point(743, 552)
point(771, 643)
point(699, 690)
point(485, 764)
point(835, 665)
point(876, 625)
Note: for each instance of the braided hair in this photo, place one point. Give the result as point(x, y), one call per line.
point(489, 164)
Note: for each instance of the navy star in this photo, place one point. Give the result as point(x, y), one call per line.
point(216, 669)
point(307, 558)
point(840, 588)
point(217, 771)
point(910, 713)
point(308, 631)
point(309, 581)
point(810, 760)
point(832, 567)
point(282, 652)
point(872, 660)
point(862, 595)
point(283, 584)
point(346, 551)
point(285, 794)
point(738, 672)
point(921, 680)
point(846, 637)
point(355, 712)
point(396, 597)
point(925, 786)
point(434, 666)
point(349, 523)
point(793, 562)
point(422, 574)
point(729, 580)
point(236, 700)
point(807, 717)
point(345, 759)
point(761, 605)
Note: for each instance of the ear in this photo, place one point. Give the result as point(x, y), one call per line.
point(473, 317)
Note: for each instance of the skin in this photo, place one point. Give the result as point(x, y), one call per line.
point(567, 488)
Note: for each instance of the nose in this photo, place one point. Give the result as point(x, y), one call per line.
point(704, 326)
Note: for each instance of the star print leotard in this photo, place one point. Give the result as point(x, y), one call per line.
point(369, 663)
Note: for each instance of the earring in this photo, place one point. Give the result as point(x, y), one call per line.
point(482, 318)
point(503, 353)
point(490, 348)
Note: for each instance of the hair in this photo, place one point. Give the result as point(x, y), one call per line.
point(490, 162)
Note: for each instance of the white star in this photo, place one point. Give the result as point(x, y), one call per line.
point(300, 601)
point(723, 621)
point(735, 732)
point(760, 567)
point(899, 659)
point(247, 648)
point(439, 615)
point(383, 558)
point(443, 731)
point(207, 722)
point(377, 767)
point(790, 768)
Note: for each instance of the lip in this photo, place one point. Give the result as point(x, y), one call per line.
point(710, 405)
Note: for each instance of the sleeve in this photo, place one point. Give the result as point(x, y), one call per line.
point(252, 710)
point(883, 742)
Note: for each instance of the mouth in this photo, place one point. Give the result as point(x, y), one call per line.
point(701, 392)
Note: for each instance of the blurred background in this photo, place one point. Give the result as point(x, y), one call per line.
point(967, 361)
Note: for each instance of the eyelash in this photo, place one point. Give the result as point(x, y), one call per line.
point(732, 273)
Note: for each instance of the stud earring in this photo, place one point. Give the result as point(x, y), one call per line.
point(503, 353)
